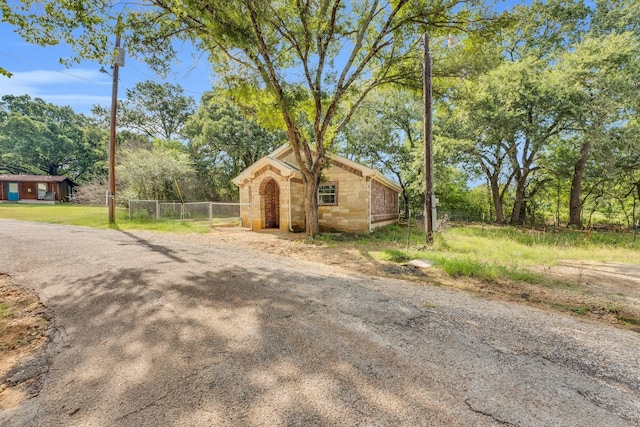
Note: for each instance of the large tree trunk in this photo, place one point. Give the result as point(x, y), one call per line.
point(575, 203)
point(521, 184)
point(311, 207)
point(517, 204)
point(310, 165)
point(497, 200)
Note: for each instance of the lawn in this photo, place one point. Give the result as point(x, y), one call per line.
point(96, 217)
point(492, 252)
point(592, 274)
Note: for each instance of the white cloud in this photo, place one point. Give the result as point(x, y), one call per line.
point(49, 77)
point(79, 88)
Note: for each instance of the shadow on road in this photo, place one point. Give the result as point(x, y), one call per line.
point(169, 253)
point(228, 346)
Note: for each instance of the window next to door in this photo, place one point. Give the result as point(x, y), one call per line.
point(42, 190)
point(328, 194)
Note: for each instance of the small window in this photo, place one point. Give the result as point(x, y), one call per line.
point(327, 194)
point(42, 190)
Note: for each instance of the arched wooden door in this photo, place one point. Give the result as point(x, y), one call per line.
point(271, 205)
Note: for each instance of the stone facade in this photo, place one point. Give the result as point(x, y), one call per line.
point(384, 203)
point(363, 200)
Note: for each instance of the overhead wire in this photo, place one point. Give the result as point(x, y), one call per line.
point(28, 61)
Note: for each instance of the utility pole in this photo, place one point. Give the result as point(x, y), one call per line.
point(428, 143)
point(117, 62)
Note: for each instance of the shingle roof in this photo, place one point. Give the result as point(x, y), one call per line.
point(33, 178)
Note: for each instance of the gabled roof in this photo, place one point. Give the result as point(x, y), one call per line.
point(285, 169)
point(34, 178)
point(340, 161)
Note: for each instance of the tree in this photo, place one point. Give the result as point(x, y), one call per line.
point(508, 116)
point(38, 137)
point(384, 133)
point(270, 43)
point(260, 48)
point(152, 109)
point(223, 142)
point(341, 51)
point(156, 110)
point(152, 174)
point(605, 70)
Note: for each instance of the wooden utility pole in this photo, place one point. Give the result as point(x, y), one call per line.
point(428, 143)
point(118, 61)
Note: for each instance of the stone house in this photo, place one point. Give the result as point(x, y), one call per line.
point(351, 197)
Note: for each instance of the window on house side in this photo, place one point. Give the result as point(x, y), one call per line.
point(327, 194)
point(42, 190)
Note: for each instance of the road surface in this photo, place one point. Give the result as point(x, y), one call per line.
point(160, 329)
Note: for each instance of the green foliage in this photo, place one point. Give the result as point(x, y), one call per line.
point(152, 174)
point(156, 110)
point(83, 25)
point(313, 62)
point(41, 138)
point(256, 46)
point(223, 141)
point(384, 134)
point(540, 122)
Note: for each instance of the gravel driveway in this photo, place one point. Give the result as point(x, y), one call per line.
point(159, 329)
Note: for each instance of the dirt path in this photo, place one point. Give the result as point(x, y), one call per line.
point(155, 329)
point(23, 335)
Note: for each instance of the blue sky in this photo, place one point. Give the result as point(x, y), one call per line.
point(37, 72)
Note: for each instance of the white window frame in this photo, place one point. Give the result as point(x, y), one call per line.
point(327, 193)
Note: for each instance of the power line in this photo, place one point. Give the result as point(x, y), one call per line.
point(159, 82)
point(28, 61)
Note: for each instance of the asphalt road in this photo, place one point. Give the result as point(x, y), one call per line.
point(158, 329)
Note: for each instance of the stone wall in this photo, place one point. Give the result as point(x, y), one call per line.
point(297, 205)
point(351, 213)
point(384, 203)
point(253, 216)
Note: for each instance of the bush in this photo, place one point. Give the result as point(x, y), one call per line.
point(92, 193)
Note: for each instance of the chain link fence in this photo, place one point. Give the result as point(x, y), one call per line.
point(216, 214)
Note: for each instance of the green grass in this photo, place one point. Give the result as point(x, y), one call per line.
point(490, 253)
point(96, 217)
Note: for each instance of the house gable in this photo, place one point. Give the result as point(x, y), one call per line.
point(285, 154)
point(265, 164)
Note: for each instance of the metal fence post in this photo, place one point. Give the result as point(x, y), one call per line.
point(157, 210)
point(210, 214)
point(129, 209)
